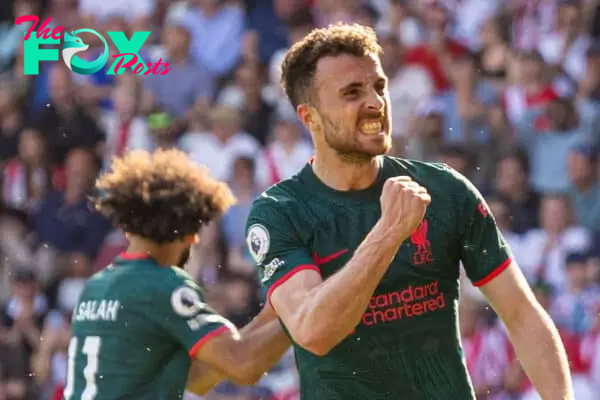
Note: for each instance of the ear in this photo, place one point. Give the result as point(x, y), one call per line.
point(191, 240)
point(310, 117)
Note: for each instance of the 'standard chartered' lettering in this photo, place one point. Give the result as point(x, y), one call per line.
point(406, 303)
point(98, 310)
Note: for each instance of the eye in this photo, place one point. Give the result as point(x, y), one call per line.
point(380, 87)
point(352, 94)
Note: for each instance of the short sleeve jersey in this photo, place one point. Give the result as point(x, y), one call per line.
point(407, 345)
point(134, 331)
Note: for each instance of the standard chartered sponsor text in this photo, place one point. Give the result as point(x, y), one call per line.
point(409, 302)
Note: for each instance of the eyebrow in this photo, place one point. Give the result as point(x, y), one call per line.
point(358, 85)
point(352, 85)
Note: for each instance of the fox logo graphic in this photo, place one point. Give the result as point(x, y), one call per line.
point(423, 254)
point(73, 45)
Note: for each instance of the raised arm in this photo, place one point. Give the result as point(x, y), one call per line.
point(305, 303)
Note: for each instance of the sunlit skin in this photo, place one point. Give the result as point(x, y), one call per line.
point(347, 91)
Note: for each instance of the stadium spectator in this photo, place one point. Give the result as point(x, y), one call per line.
point(585, 187)
point(439, 50)
point(186, 87)
point(548, 246)
point(27, 178)
point(494, 56)
point(124, 127)
point(410, 85)
point(548, 147)
point(512, 183)
point(243, 185)
point(574, 308)
point(216, 30)
point(12, 119)
point(63, 122)
point(64, 222)
point(529, 87)
point(218, 148)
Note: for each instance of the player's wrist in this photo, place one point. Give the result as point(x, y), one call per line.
point(388, 234)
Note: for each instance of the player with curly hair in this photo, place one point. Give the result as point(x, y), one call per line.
point(142, 322)
point(360, 252)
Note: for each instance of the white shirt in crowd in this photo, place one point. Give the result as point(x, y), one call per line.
point(573, 239)
point(129, 9)
point(283, 164)
point(136, 136)
point(574, 63)
point(411, 87)
point(205, 149)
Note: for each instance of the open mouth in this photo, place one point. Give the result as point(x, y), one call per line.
point(372, 126)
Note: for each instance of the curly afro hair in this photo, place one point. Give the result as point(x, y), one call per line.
point(300, 62)
point(162, 197)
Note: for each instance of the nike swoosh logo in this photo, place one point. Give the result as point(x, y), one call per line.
point(324, 260)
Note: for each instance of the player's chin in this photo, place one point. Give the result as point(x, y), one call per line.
point(376, 144)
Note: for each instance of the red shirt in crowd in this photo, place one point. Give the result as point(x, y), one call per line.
point(424, 56)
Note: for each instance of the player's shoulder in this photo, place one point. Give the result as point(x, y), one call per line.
point(279, 200)
point(439, 178)
point(176, 290)
point(422, 169)
point(173, 278)
point(144, 278)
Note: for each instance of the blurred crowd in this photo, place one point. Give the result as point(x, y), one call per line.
point(507, 92)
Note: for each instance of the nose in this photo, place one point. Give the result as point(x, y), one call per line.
point(375, 102)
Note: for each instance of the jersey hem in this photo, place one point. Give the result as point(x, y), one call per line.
point(497, 271)
point(288, 275)
point(204, 339)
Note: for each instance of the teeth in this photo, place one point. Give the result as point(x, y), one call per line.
point(371, 127)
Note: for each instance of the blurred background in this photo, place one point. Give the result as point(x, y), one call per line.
point(507, 92)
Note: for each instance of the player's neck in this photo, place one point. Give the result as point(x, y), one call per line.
point(342, 175)
point(166, 255)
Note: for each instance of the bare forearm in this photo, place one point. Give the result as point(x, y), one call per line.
point(335, 307)
point(243, 356)
point(262, 345)
point(542, 354)
point(202, 378)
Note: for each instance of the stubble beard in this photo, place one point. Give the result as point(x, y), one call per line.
point(185, 257)
point(347, 146)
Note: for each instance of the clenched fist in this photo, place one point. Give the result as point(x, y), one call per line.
point(403, 205)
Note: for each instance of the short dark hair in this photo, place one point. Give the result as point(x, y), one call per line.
point(161, 196)
point(519, 154)
point(300, 62)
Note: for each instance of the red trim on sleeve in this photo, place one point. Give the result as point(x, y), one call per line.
point(284, 278)
point(497, 271)
point(133, 256)
point(205, 339)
